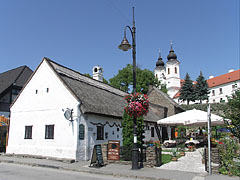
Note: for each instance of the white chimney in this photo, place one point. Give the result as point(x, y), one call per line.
point(97, 73)
point(231, 70)
point(210, 77)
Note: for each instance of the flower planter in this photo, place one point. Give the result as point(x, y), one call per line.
point(182, 153)
point(174, 158)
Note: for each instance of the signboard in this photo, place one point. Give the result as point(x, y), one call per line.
point(113, 150)
point(97, 159)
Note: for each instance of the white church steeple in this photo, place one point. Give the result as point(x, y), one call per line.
point(172, 73)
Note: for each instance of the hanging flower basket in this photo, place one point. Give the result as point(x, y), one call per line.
point(138, 104)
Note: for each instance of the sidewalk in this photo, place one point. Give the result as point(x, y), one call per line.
point(116, 170)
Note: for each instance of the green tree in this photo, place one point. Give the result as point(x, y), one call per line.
point(124, 79)
point(187, 90)
point(127, 130)
point(232, 112)
point(201, 89)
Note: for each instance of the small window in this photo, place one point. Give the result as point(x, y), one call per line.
point(36, 91)
point(117, 129)
point(168, 70)
point(175, 70)
point(152, 131)
point(47, 90)
point(100, 132)
point(49, 132)
point(28, 132)
point(220, 91)
point(81, 132)
point(213, 93)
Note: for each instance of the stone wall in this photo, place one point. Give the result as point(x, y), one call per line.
point(215, 158)
point(151, 157)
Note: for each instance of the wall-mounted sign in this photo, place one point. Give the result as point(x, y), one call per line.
point(113, 150)
point(68, 114)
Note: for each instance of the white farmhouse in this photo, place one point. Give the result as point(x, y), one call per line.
point(61, 113)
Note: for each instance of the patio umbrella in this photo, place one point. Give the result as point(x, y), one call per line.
point(192, 117)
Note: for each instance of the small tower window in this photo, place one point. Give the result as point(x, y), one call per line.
point(36, 91)
point(156, 76)
point(95, 70)
point(168, 70)
point(47, 90)
point(175, 70)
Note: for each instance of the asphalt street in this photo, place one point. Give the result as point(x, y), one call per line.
point(22, 172)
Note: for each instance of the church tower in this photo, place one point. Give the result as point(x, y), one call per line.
point(160, 70)
point(172, 73)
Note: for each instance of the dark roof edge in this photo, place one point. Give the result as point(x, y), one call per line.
point(26, 84)
point(86, 77)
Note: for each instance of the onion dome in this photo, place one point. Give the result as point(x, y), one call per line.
point(160, 61)
point(171, 54)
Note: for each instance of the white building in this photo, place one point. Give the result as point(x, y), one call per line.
point(169, 74)
point(61, 113)
point(220, 87)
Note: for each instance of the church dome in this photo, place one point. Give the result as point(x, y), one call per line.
point(160, 62)
point(171, 54)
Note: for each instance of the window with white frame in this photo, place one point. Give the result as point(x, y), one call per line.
point(49, 131)
point(100, 132)
point(220, 91)
point(28, 132)
point(213, 92)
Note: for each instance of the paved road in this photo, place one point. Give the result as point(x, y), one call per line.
point(21, 172)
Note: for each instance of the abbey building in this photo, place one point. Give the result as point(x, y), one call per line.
point(169, 73)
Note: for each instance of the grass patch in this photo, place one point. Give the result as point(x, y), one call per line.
point(166, 158)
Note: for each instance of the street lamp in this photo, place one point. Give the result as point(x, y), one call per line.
point(125, 46)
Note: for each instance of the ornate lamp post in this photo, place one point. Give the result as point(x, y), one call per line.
point(125, 46)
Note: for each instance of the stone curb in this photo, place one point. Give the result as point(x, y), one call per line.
point(80, 170)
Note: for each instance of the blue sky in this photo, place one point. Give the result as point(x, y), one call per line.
point(81, 34)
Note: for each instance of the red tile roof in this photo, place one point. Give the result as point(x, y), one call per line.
point(223, 79)
point(219, 80)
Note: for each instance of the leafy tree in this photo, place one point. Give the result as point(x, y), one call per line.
point(201, 89)
point(187, 90)
point(232, 112)
point(124, 79)
point(127, 131)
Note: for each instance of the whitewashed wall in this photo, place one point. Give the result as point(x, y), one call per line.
point(40, 109)
point(85, 147)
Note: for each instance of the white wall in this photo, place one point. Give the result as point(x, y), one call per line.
point(40, 109)
point(227, 90)
point(85, 147)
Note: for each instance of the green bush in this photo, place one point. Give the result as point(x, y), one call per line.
point(229, 153)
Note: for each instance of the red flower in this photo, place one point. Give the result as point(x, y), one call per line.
point(137, 104)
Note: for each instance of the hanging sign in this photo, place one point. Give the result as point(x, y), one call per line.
point(97, 159)
point(113, 150)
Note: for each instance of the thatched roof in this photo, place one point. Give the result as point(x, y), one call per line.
point(97, 97)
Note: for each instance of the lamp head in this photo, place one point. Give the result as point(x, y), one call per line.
point(125, 46)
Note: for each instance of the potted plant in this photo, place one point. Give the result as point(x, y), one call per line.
point(191, 148)
point(174, 154)
point(182, 149)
